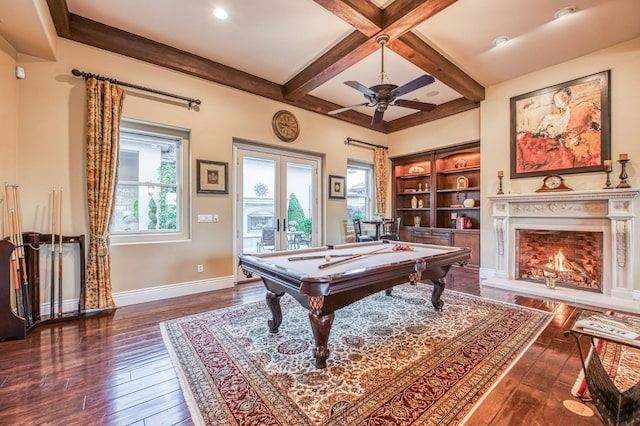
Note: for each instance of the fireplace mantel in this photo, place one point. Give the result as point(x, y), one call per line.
point(584, 195)
point(608, 211)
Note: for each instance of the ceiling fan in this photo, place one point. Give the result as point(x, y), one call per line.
point(384, 94)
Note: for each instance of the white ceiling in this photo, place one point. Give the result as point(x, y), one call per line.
point(276, 39)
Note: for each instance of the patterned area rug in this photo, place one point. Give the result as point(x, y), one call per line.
point(393, 361)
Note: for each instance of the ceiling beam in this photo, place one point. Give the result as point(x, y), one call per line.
point(112, 39)
point(364, 16)
point(402, 17)
point(92, 33)
point(60, 16)
point(455, 106)
point(413, 49)
point(102, 36)
point(351, 50)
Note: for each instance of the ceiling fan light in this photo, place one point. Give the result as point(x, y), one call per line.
point(500, 40)
point(565, 11)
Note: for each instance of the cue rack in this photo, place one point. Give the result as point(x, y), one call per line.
point(14, 325)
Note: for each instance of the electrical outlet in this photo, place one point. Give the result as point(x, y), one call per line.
point(200, 267)
point(216, 218)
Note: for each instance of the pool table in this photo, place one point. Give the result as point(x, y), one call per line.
point(325, 279)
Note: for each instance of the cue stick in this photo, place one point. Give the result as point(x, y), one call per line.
point(349, 259)
point(14, 259)
point(26, 297)
point(319, 256)
point(60, 254)
point(52, 291)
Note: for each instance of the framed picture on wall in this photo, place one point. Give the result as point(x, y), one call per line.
point(561, 129)
point(212, 177)
point(336, 187)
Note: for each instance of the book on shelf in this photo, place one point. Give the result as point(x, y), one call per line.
point(604, 325)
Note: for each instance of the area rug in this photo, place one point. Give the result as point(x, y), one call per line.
point(394, 360)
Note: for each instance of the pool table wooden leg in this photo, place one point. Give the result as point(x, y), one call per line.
point(438, 288)
point(321, 326)
point(273, 302)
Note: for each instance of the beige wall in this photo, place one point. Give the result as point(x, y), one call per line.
point(8, 119)
point(452, 130)
point(624, 62)
point(51, 153)
point(51, 140)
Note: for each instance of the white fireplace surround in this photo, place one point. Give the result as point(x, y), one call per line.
point(608, 211)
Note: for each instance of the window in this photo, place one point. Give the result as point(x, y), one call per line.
point(360, 194)
point(152, 191)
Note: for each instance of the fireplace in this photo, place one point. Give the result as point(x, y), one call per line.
point(571, 259)
point(573, 246)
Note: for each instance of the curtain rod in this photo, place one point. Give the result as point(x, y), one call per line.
point(349, 140)
point(86, 75)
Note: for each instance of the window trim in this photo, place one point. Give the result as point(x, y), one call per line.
point(134, 127)
point(371, 194)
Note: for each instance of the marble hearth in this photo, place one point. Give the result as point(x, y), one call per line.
point(610, 212)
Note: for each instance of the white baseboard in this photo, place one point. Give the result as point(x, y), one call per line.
point(68, 306)
point(131, 297)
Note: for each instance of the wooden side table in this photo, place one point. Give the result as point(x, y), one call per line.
point(615, 407)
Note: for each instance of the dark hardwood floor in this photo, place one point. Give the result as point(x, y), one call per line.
point(114, 369)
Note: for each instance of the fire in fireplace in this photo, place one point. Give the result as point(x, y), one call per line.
point(564, 258)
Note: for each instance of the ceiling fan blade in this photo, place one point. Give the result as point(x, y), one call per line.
point(347, 108)
point(377, 117)
point(360, 87)
point(422, 106)
point(413, 85)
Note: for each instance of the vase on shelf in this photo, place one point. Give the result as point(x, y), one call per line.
point(414, 202)
point(420, 203)
point(416, 221)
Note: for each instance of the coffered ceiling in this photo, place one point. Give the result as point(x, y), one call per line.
point(302, 51)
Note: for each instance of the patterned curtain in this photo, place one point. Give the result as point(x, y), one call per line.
point(381, 171)
point(104, 110)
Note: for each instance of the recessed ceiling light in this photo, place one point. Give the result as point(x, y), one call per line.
point(565, 11)
point(220, 13)
point(500, 40)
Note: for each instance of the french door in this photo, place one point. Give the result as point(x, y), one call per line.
point(277, 200)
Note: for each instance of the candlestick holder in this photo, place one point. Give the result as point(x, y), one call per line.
point(623, 174)
point(500, 185)
point(608, 182)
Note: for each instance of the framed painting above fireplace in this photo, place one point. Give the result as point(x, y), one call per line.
point(562, 129)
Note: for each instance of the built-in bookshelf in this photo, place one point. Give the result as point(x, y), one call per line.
point(436, 194)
